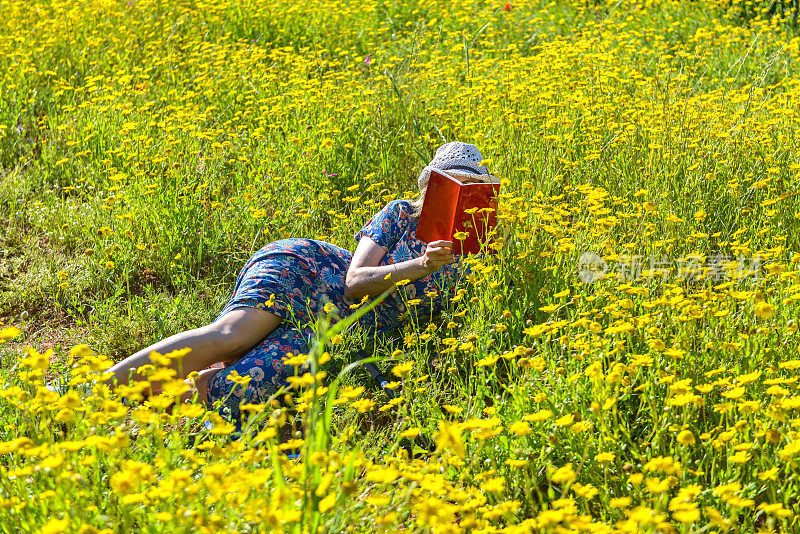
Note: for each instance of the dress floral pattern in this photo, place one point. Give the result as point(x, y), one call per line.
point(296, 278)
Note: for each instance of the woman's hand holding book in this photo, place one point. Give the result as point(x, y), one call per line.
point(437, 254)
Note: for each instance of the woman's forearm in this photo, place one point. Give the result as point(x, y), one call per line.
point(372, 281)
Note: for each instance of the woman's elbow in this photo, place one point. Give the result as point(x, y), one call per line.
point(350, 290)
point(349, 293)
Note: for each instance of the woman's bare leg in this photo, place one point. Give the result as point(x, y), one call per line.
point(226, 339)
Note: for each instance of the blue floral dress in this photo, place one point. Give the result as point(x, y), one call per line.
point(296, 278)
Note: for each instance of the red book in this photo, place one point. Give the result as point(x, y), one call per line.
point(444, 212)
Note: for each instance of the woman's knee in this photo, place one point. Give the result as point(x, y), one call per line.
point(224, 340)
point(242, 328)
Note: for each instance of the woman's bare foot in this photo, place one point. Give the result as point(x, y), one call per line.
point(199, 386)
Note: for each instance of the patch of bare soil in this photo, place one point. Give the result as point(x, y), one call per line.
point(142, 279)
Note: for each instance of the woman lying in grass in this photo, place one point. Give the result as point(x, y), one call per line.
point(289, 282)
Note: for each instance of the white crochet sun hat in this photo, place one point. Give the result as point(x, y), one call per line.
point(459, 159)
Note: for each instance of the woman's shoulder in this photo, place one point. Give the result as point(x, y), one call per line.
point(388, 225)
point(400, 208)
point(400, 204)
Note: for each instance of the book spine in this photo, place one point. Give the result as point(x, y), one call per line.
point(454, 214)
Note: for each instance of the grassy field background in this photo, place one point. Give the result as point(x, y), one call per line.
point(148, 148)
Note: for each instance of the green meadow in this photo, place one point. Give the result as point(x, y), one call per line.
point(626, 361)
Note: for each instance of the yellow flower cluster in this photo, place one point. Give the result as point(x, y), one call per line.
point(625, 360)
